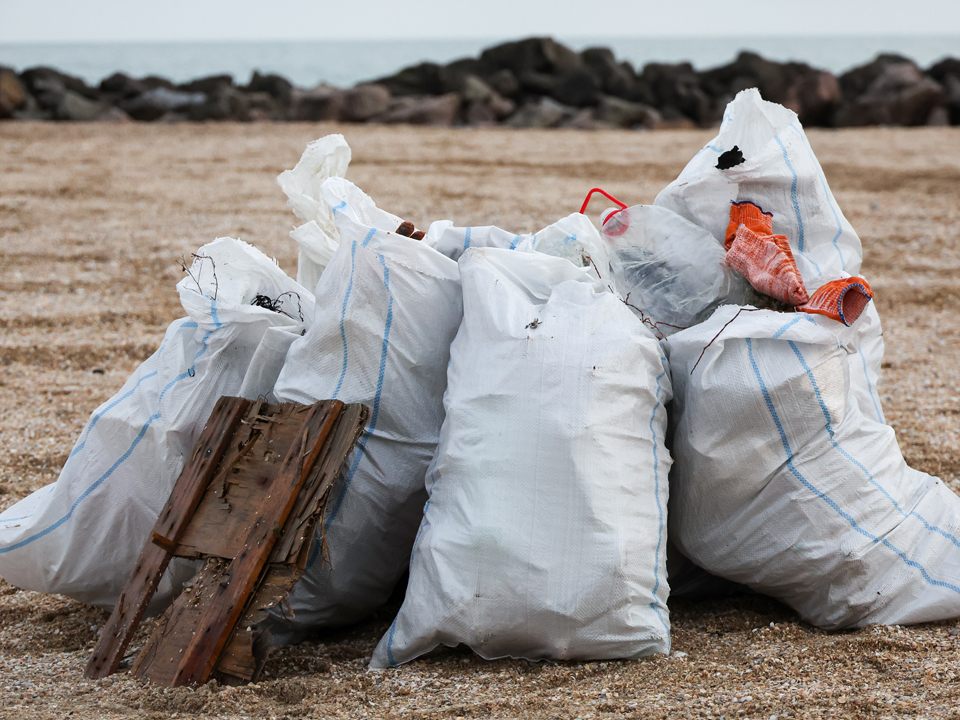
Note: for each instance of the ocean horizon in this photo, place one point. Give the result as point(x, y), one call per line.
point(346, 62)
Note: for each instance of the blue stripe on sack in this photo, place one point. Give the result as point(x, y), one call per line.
point(143, 431)
point(466, 238)
point(823, 496)
point(96, 416)
point(715, 149)
point(826, 195)
point(341, 206)
point(863, 469)
point(513, 245)
point(786, 327)
point(866, 374)
point(374, 414)
point(656, 484)
point(343, 316)
point(49, 488)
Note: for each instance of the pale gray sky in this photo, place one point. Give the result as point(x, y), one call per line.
point(125, 20)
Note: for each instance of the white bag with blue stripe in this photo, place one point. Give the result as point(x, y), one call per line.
point(81, 535)
point(784, 482)
point(544, 535)
point(387, 309)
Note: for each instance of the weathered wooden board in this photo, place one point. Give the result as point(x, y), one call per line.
point(250, 514)
point(171, 523)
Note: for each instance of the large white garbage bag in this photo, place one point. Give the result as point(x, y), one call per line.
point(81, 535)
point(544, 533)
point(780, 173)
point(387, 309)
point(318, 237)
point(785, 479)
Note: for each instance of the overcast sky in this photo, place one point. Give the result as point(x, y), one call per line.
point(124, 20)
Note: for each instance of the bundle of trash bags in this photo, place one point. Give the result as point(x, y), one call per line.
point(516, 458)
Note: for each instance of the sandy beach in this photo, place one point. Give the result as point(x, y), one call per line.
point(93, 221)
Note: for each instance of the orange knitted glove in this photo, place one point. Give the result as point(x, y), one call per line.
point(767, 262)
point(749, 214)
point(843, 300)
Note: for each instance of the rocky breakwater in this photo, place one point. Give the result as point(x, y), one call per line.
point(536, 82)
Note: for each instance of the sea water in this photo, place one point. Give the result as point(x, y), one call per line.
point(342, 63)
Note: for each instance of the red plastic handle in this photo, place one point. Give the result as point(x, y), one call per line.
point(607, 195)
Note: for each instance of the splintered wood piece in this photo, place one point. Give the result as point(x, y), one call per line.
point(227, 598)
point(248, 648)
point(173, 519)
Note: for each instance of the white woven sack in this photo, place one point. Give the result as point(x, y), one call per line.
point(318, 237)
point(81, 535)
point(784, 483)
point(387, 309)
point(544, 533)
point(780, 174)
point(573, 237)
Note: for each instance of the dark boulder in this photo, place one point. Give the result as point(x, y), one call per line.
point(898, 94)
point(616, 79)
point(576, 88)
point(152, 82)
point(276, 86)
point(120, 86)
point(47, 81)
point(505, 83)
point(815, 96)
point(13, 95)
point(422, 79)
point(947, 73)
point(541, 113)
point(224, 103)
point(316, 104)
point(154, 104)
point(623, 113)
point(855, 82)
point(539, 55)
point(364, 101)
point(677, 93)
point(73, 106)
point(483, 104)
point(209, 85)
point(454, 74)
point(423, 110)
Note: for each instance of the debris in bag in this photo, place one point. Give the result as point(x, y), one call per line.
point(671, 270)
point(543, 535)
point(246, 504)
point(786, 478)
point(80, 535)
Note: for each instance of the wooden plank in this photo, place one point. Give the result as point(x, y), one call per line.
point(229, 598)
point(173, 519)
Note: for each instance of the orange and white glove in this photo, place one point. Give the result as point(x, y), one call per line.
point(749, 214)
point(843, 300)
point(768, 263)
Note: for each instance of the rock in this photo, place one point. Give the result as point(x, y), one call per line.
point(617, 112)
point(31, 110)
point(263, 107)
point(316, 104)
point(423, 110)
point(899, 94)
point(422, 79)
point(154, 104)
point(584, 119)
point(479, 113)
point(73, 106)
point(276, 86)
point(576, 88)
point(12, 94)
point(152, 82)
point(454, 74)
point(855, 82)
point(40, 80)
point(122, 86)
point(613, 78)
point(541, 113)
point(114, 115)
point(473, 89)
point(226, 103)
point(676, 90)
point(541, 55)
point(815, 97)
point(209, 85)
point(939, 117)
point(947, 73)
point(364, 101)
point(505, 83)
